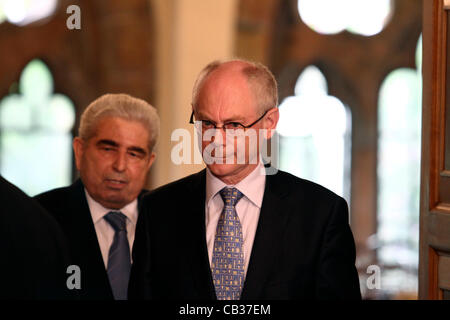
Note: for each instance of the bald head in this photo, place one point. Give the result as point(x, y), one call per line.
point(254, 76)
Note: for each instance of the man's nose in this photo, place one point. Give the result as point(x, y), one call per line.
point(120, 162)
point(219, 136)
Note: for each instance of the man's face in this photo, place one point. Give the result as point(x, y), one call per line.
point(114, 162)
point(224, 97)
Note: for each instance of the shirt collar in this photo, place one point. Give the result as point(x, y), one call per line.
point(252, 186)
point(98, 211)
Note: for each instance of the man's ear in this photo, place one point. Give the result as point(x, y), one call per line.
point(151, 160)
point(271, 121)
point(78, 145)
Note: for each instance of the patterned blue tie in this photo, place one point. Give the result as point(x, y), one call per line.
point(119, 263)
point(227, 265)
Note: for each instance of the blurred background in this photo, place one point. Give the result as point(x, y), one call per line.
point(349, 74)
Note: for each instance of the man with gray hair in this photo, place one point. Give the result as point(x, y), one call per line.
point(98, 213)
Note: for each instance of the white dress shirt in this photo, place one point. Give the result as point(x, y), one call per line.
point(105, 232)
point(247, 209)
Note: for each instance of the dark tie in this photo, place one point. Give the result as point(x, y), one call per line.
point(119, 263)
point(227, 265)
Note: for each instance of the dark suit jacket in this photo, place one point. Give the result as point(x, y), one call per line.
point(303, 247)
point(33, 251)
point(70, 208)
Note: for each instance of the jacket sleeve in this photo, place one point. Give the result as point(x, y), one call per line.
point(337, 274)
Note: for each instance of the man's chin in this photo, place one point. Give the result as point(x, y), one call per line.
point(114, 200)
point(223, 170)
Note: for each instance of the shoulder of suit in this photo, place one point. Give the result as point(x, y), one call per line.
point(58, 200)
point(295, 184)
point(181, 185)
point(29, 216)
point(15, 199)
point(57, 193)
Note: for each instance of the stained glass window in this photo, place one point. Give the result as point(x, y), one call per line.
point(364, 17)
point(35, 133)
point(399, 140)
point(315, 134)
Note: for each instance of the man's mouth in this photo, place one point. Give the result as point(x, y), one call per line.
point(116, 183)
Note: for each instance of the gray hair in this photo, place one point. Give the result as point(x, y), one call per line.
point(260, 79)
point(122, 106)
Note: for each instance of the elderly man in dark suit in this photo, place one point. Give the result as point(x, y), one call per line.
point(99, 212)
point(233, 231)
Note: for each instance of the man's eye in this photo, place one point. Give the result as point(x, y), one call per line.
point(207, 124)
point(233, 125)
point(136, 155)
point(107, 148)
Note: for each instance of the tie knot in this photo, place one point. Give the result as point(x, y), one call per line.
point(117, 220)
point(230, 196)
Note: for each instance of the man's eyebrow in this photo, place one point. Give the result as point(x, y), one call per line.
point(115, 144)
point(107, 142)
point(137, 149)
point(235, 118)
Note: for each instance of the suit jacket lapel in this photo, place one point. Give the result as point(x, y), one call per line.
point(85, 244)
point(272, 222)
point(195, 223)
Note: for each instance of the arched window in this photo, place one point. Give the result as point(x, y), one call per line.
point(35, 133)
point(315, 134)
point(23, 12)
point(364, 17)
point(399, 123)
